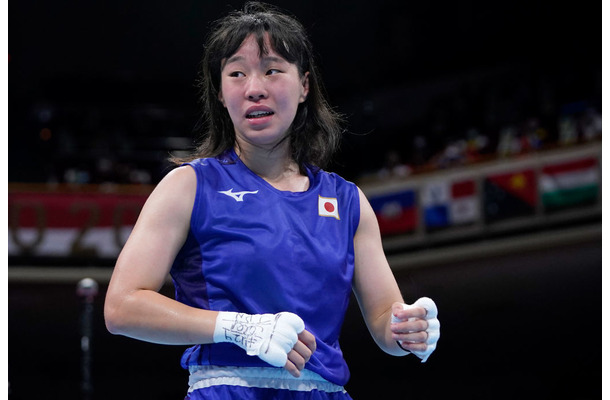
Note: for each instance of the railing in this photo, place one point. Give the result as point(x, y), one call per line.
point(530, 192)
point(78, 222)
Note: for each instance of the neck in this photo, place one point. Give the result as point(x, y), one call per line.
point(274, 166)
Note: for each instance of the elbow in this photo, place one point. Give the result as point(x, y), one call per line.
point(116, 323)
point(112, 322)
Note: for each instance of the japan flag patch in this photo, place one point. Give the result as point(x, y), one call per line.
point(328, 207)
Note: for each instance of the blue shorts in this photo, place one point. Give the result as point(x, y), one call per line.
point(243, 383)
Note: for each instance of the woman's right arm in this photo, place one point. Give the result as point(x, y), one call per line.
point(134, 307)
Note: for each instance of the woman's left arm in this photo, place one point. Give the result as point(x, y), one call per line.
point(378, 293)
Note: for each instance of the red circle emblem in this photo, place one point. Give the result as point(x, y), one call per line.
point(329, 207)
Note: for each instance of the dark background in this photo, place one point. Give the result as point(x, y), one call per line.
point(102, 91)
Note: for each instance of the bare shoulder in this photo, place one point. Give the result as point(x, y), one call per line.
point(368, 220)
point(172, 200)
point(183, 177)
point(179, 185)
point(367, 241)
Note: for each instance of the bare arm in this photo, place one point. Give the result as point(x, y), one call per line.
point(135, 308)
point(133, 305)
point(374, 285)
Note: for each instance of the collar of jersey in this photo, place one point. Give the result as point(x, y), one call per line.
point(313, 182)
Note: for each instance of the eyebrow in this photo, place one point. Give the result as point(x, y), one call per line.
point(265, 59)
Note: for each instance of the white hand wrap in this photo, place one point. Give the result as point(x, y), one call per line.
point(434, 326)
point(268, 336)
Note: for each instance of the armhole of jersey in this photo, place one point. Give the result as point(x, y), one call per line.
point(356, 217)
point(197, 206)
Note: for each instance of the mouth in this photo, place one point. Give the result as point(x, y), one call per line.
point(259, 114)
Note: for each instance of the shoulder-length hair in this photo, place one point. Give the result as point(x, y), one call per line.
point(315, 133)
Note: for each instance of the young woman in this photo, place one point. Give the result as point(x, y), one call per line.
point(264, 247)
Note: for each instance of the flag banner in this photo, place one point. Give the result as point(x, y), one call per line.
point(56, 224)
point(570, 184)
point(465, 205)
point(509, 195)
point(396, 212)
point(447, 203)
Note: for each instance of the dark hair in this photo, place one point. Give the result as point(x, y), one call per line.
point(316, 130)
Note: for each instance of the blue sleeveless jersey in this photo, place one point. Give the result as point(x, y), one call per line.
point(255, 249)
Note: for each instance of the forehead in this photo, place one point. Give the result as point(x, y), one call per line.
point(253, 49)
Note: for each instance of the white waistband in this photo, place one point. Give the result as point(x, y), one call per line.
point(203, 376)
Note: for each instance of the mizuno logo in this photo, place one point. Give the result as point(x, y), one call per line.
point(238, 196)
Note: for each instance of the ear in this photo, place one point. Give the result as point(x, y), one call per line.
point(305, 91)
point(221, 98)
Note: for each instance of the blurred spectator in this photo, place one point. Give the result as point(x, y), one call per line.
point(591, 124)
point(394, 167)
point(568, 130)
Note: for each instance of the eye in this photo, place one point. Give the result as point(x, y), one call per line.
point(273, 71)
point(236, 74)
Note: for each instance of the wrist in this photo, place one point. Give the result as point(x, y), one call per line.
point(244, 330)
point(269, 336)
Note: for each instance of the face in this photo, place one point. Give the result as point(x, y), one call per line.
point(261, 94)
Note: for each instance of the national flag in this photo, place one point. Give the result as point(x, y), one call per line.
point(396, 212)
point(510, 194)
point(447, 203)
point(328, 207)
point(569, 184)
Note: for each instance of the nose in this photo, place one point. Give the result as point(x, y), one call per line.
point(255, 89)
